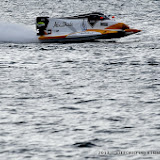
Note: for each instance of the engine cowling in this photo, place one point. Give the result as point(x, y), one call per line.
point(41, 25)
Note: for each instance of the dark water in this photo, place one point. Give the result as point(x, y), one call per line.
point(79, 101)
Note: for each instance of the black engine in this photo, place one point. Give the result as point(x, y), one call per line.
point(41, 25)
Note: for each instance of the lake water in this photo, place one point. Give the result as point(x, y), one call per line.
point(93, 100)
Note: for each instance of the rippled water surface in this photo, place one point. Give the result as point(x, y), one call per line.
point(79, 100)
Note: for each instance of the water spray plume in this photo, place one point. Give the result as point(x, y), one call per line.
point(16, 33)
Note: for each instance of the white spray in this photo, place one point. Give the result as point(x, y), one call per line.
point(16, 33)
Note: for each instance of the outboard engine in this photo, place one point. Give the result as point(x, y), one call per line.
point(41, 25)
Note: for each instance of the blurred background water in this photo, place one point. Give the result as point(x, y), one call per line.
point(75, 101)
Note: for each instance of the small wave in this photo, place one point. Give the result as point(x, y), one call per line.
point(16, 33)
point(113, 131)
point(84, 144)
point(69, 108)
point(152, 62)
point(85, 101)
point(115, 119)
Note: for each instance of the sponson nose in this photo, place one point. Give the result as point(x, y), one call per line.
point(132, 30)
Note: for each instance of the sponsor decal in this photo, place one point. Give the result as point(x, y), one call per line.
point(84, 26)
point(62, 24)
point(104, 24)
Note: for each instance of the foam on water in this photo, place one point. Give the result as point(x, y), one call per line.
point(17, 33)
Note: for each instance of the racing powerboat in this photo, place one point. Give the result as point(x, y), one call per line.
point(85, 27)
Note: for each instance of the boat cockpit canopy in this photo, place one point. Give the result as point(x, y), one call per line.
point(93, 16)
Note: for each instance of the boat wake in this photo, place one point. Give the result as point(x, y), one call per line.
point(16, 33)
